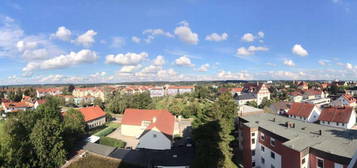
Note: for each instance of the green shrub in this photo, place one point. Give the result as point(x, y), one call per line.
point(112, 142)
point(105, 132)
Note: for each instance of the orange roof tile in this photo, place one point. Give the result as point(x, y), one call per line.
point(92, 113)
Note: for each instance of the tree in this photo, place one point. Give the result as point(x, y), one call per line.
point(74, 128)
point(71, 87)
point(252, 103)
point(98, 102)
point(47, 141)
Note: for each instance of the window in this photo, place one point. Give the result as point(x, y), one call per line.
point(272, 155)
point(272, 141)
point(272, 166)
point(262, 136)
point(253, 152)
point(337, 123)
point(262, 148)
point(343, 124)
point(320, 163)
point(253, 140)
point(154, 135)
point(262, 160)
point(303, 161)
point(253, 164)
point(253, 134)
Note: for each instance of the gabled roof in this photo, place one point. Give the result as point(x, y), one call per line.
point(281, 105)
point(44, 90)
point(16, 105)
point(336, 114)
point(246, 96)
point(180, 87)
point(92, 113)
point(237, 90)
point(295, 93)
point(301, 109)
point(312, 92)
point(349, 98)
point(165, 121)
point(41, 101)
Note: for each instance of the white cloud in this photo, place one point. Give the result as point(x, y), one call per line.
point(129, 68)
point(324, 62)
point(261, 34)
point(166, 73)
point(185, 34)
point(242, 51)
point(62, 61)
point(248, 37)
point(204, 68)
point(159, 60)
point(126, 59)
point(299, 50)
point(238, 76)
point(118, 42)
point(217, 37)
point(98, 74)
point(155, 32)
point(62, 33)
point(22, 45)
point(289, 62)
point(151, 69)
point(349, 66)
point(135, 39)
point(86, 39)
point(183, 61)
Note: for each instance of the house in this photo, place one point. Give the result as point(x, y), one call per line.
point(94, 116)
point(295, 96)
point(41, 92)
point(260, 91)
point(157, 92)
point(94, 92)
point(280, 108)
point(318, 101)
point(343, 117)
point(344, 100)
point(153, 128)
point(236, 91)
point(351, 91)
point(268, 140)
point(303, 86)
point(174, 90)
point(15, 106)
point(38, 103)
point(304, 111)
point(313, 94)
point(245, 98)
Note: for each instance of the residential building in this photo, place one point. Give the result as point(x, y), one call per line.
point(296, 96)
point(280, 108)
point(303, 86)
point(245, 98)
point(318, 101)
point(174, 90)
point(252, 91)
point(345, 100)
point(94, 92)
point(304, 111)
point(94, 116)
point(41, 92)
point(157, 92)
point(351, 91)
point(236, 91)
point(343, 117)
point(153, 128)
point(9, 107)
point(268, 140)
point(313, 94)
point(39, 102)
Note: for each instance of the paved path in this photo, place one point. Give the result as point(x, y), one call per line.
point(130, 141)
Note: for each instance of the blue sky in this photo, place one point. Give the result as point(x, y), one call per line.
point(128, 40)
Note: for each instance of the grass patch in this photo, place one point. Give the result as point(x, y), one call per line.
point(105, 132)
point(113, 125)
point(94, 161)
point(2, 122)
point(112, 142)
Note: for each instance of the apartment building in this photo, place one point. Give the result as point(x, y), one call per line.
point(268, 140)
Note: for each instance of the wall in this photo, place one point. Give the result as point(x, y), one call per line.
point(314, 115)
point(132, 130)
point(96, 123)
point(154, 139)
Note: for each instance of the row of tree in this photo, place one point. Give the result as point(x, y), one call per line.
point(40, 138)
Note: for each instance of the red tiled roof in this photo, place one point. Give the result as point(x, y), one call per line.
point(91, 113)
point(165, 121)
point(349, 98)
point(180, 87)
point(41, 101)
point(301, 109)
point(88, 89)
point(312, 92)
point(236, 89)
point(16, 104)
point(336, 114)
point(43, 90)
point(295, 93)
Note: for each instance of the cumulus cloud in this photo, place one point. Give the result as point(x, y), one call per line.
point(184, 61)
point(135, 39)
point(203, 68)
point(185, 33)
point(62, 61)
point(242, 51)
point(118, 42)
point(216, 37)
point(239, 75)
point(129, 68)
point(289, 62)
point(323, 62)
point(155, 32)
point(62, 33)
point(299, 50)
point(151, 69)
point(261, 34)
point(86, 39)
point(166, 73)
point(248, 37)
point(98, 74)
point(126, 59)
point(159, 60)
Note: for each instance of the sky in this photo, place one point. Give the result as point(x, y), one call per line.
point(90, 41)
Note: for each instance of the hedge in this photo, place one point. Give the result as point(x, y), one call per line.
point(105, 132)
point(112, 142)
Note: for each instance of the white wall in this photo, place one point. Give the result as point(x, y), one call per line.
point(352, 120)
point(96, 123)
point(154, 139)
point(314, 115)
point(132, 130)
point(306, 164)
point(266, 155)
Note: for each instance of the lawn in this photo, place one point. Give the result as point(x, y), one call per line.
point(95, 161)
point(1, 126)
point(105, 130)
point(112, 142)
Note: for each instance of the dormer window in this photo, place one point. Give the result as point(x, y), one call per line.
point(145, 123)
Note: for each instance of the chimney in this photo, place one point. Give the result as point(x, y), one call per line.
point(257, 122)
point(274, 119)
point(320, 132)
point(153, 119)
